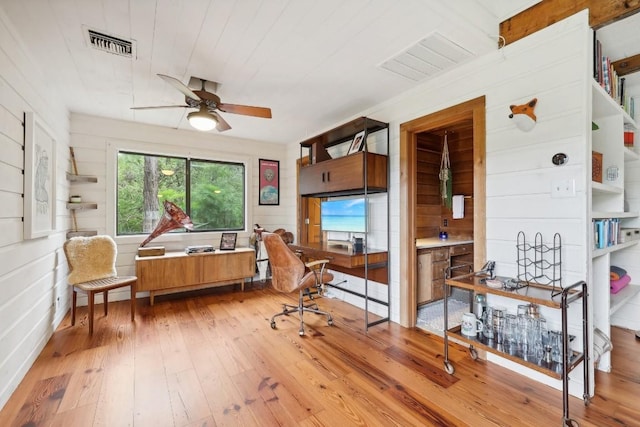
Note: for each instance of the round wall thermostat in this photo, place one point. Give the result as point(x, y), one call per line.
point(559, 159)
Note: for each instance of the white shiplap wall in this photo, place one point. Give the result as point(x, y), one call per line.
point(33, 292)
point(96, 142)
point(34, 295)
point(553, 66)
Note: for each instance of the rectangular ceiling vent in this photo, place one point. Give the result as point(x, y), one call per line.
point(431, 55)
point(110, 44)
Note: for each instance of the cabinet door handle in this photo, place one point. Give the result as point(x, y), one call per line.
point(322, 176)
point(328, 176)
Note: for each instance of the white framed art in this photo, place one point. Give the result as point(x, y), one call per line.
point(39, 178)
point(358, 142)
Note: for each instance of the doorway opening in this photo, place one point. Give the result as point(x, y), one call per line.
point(421, 144)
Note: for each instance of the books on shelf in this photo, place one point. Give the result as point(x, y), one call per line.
point(606, 232)
point(605, 74)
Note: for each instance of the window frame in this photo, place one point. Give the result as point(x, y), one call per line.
point(142, 148)
point(188, 187)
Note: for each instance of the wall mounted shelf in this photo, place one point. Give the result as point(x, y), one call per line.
point(81, 178)
point(78, 180)
point(82, 206)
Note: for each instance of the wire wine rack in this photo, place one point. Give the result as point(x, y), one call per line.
point(539, 262)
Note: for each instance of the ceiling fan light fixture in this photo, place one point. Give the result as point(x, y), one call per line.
point(202, 119)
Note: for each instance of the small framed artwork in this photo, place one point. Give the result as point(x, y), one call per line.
point(39, 178)
point(228, 241)
point(358, 143)
point(269, 185)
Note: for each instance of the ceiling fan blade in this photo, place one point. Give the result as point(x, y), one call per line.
point(180, 86)
point(208, 96)
point(246, 110)
point(222, 124)
point(159, 106)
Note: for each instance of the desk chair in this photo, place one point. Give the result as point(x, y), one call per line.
point(92, 269)
point(290, 274)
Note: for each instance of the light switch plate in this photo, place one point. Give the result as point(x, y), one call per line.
point(563, 188)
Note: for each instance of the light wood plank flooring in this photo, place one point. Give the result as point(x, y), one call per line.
point(211, 359)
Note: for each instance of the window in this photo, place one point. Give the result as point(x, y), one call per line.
point(212, 193)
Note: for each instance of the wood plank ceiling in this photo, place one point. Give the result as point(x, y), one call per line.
point(314, 63)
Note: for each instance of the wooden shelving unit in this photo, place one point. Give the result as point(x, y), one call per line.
point(74, 180)
point(362, 173)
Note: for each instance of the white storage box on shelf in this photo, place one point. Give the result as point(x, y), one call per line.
point(629, 234)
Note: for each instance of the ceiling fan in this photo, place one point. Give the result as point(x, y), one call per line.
point(206, 118)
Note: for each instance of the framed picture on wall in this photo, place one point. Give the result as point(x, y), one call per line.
point(228, 241)
point(358, 143)
point(39, 178)
point(269, 184)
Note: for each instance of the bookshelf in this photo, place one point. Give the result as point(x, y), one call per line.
point(608, 196)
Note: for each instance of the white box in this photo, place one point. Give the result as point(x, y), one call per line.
point(629, 234)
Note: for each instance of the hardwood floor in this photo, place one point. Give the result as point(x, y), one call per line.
point(211, 359)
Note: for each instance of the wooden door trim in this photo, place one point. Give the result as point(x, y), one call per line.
point(302, 205)
point(474, 109)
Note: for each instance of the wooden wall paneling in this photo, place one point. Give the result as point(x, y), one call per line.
point(462, 165)
point(462, 114)
point(427, 220)
point(428, 200)
point(427, 170)
point(427, 190)
point(429, 154)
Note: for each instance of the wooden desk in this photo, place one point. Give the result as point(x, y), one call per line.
point(343, 260)
point(179, 272)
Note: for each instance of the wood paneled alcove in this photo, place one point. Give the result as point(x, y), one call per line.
point(421, 143)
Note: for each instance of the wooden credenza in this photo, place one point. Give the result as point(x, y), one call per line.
point(179, 272)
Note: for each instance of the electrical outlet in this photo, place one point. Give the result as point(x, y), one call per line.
point(563, 188)
point(445, 222)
